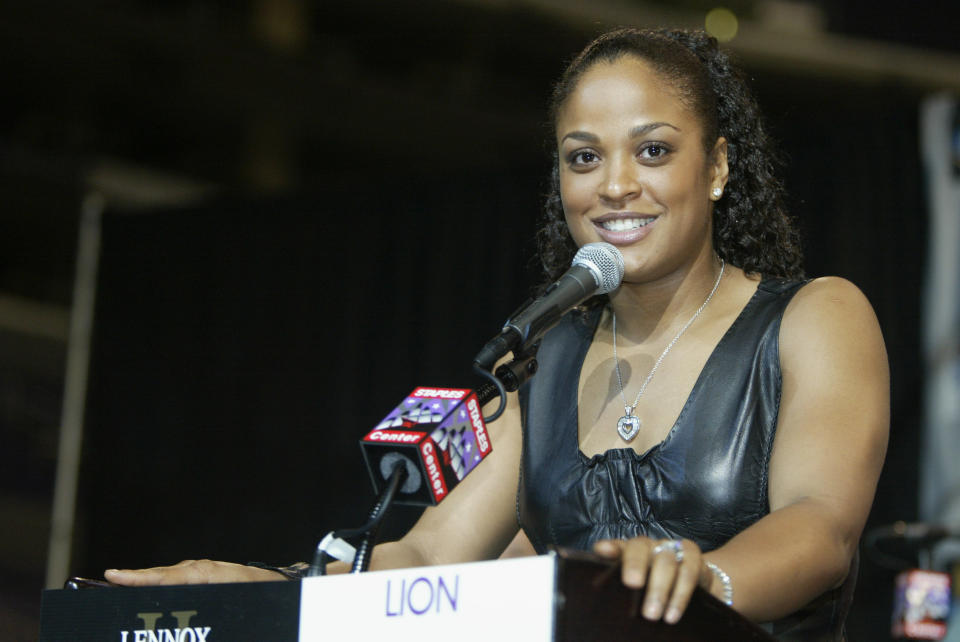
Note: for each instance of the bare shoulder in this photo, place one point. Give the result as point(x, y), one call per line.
point(834, 413)
point(829, 313)
point(829, 295)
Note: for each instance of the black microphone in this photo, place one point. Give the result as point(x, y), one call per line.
point(597, 269)
point(921, 533)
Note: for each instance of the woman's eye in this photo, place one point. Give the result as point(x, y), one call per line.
point(654, 151)
point(584, 157)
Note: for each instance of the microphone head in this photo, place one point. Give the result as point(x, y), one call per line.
point(605, 263)
point(412, 482)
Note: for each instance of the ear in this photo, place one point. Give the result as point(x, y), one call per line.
point(719, 170)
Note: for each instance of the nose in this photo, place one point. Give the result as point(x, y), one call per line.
point(620, 183)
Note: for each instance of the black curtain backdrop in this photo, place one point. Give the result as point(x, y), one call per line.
point(242, 347)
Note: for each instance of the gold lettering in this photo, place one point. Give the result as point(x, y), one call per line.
point(183, 618)
point(149, 620)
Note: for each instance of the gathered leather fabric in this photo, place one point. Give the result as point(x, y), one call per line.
point(706, 481)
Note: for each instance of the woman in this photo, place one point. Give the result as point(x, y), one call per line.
point(713, 422)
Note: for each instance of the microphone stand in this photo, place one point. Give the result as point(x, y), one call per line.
point(921, 604)
point(911, 539)
point(508, 378)
point(369, 531)
point(361, 562)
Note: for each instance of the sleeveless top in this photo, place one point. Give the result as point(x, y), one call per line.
point(706, 481)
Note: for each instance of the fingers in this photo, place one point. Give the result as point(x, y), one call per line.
point(633, 558)
point(186, 572)
point(687, 579)
point(609, 548)
point(670, 570)
point(190, 572)
point(637, 557)
point(158, 576)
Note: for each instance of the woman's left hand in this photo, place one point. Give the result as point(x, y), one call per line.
point(669, 568)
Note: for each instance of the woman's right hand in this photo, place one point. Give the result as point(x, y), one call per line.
point(191, 572)
point(670, 569)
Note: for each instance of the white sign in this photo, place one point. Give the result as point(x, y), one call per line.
point(483, 601)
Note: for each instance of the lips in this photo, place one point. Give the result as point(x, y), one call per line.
point(625, 224)
point(623, 228)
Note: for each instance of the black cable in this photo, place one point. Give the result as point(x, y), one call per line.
point(369, 530)
point(361, 560)
point(909, 538)
point(319, 566)
point(485, 392)
point(881, 558)
point(501, 391)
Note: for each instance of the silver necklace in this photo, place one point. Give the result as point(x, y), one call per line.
point(629, 424)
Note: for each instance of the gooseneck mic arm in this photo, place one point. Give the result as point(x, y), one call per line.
point(361, 562)
point(493, 387)
point(597, 269)
point(369, 531)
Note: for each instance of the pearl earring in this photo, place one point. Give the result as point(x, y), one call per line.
point(717, 192)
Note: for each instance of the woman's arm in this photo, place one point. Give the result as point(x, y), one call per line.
point(828, 450)
point(476, 521)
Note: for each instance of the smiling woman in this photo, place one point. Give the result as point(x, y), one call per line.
point(633, 168)
point(733, 421)
point(750, 225)
point(745, 453)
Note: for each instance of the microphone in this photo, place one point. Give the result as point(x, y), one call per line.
point(920, 533)
point(438, 434)
point(416, 455)
point(597, 269)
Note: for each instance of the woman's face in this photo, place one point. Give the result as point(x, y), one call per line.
point(633, 169)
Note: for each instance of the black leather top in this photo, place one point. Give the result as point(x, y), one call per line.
point(706, 481)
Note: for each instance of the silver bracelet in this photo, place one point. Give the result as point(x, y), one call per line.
point(724, 580)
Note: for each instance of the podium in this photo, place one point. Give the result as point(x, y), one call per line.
point(562, 596)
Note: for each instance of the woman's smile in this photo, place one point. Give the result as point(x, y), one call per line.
point(624, 228)
point(633, 169)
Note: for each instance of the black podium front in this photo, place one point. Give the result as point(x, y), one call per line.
point(557, 597)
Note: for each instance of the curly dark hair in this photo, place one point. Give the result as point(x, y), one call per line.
point(751, 228)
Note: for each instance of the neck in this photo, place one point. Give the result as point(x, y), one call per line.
point(645, 311)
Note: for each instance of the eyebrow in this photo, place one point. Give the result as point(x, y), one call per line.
point(639, 130)
point(649, 127)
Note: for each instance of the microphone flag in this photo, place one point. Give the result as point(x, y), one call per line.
point(440, 435)
point(921, 605)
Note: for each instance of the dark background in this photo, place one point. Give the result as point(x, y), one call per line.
point(314, 207)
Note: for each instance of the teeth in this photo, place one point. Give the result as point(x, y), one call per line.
point(624, 224)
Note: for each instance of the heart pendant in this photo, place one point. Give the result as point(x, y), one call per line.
point(628, 427)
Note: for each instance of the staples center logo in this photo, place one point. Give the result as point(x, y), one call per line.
point(183, 632)
point(433, 470)
point(439, 393)
point(478, 428)
point(395, 436)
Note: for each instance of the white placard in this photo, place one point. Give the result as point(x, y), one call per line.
point(483, 601)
